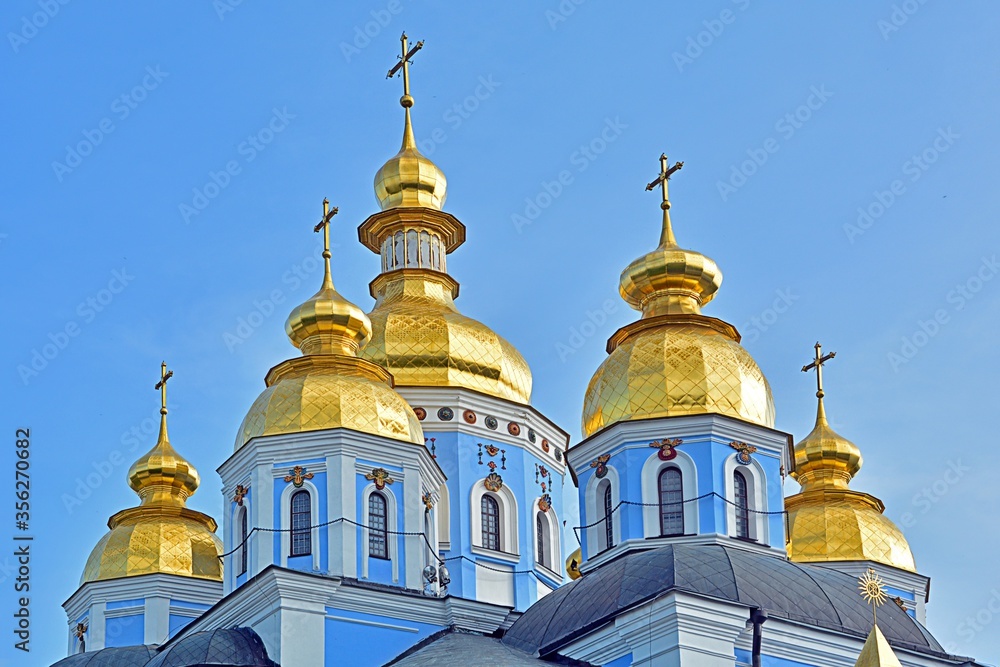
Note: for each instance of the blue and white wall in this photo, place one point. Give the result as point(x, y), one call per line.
point(707, 462)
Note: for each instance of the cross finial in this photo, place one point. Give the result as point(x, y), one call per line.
point(873, 591)
point(162, 386)
point(666, 171)
point(324, 225)
point(404, 64)
point(817, 363)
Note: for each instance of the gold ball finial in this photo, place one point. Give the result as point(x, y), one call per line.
point(406, 101)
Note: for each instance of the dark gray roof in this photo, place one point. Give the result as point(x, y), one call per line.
point(460, 649)
point(807, 594)
point(123, 656)
point(238, 647)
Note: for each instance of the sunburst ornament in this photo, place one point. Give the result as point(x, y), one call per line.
point(873, 591)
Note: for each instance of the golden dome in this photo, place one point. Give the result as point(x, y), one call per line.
point(419, 335)
point(329, 386)
point(827, 521)
point(410, 179)
point(680, 366)
point(674, 360)
point(161, 535)
point(326, 391)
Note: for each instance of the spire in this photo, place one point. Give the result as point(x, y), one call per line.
point(824, 459)
point(876, 652)
point(667, 239)
point(162, 476)
point(327, 323)
point(409, 179)
point(669, 280)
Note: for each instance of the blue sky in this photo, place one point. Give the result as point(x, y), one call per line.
point(838, 160)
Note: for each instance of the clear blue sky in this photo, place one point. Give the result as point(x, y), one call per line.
point(884, 88)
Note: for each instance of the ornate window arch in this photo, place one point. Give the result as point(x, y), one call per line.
point(756, 506)
point(547, 550)
point(596, 536)
point(391, 527)
point(506, 504)
point(286, 521)
point(652, 522)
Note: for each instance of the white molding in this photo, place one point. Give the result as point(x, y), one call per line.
point(709, 427)
point(650, 475)
point(391, 526)
point(286, 521)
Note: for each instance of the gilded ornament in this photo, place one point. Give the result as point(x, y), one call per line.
point(872, 590)
point(239, 494)
point(428, 500)
point(743, 452)
point(601, 463)
point(380, 476)
point(493, 482)
point(545, 502)
point(297, 476)
point(667, 447)
point(492, 450)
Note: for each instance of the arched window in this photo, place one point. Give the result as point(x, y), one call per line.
point(742, 505)
point(301, 521)
point(243, 542)
point(378, 537)
point(609, 525)
point(544, 540)
point(671, 502)
point(491, 522)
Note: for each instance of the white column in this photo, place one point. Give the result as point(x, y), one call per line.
point(261, 515)
point(413, 522)
point(96, 625)
point(157, 620)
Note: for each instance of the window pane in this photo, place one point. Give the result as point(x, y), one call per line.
point(378, 542)
point(301, 520)
point(671, 502)
point(609, 526)
point(491, 523)
point(742, 505)
point(243, 542)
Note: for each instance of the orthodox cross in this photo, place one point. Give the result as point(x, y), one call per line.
point(162, 386)
point(817, 363)
point(665, 173)
point(324, 225)
point(404, 64)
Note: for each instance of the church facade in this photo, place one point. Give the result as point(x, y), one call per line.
point(393, 497)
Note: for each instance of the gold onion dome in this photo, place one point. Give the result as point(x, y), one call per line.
point(674, 360)
point(329, 386)
point(161, 535)
point(418, 334)
point(827, 521)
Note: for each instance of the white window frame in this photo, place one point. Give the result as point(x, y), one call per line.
point(391, 524)
point(286, 521)
point(756, 493)
point(651, 492)
point(508, 522)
